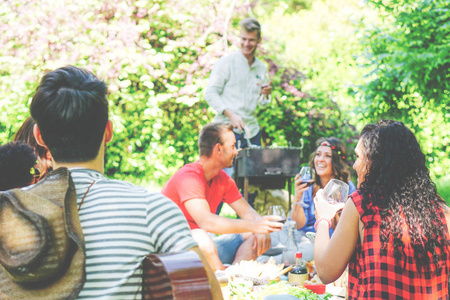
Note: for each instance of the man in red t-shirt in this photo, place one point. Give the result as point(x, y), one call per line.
point(199, 187)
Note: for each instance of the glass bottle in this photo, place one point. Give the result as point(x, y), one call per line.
point(299, 273)
point(288, 255)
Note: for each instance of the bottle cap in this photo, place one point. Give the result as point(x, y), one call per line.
point(298, 255)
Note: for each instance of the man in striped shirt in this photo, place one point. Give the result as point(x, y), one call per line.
point(121, 223)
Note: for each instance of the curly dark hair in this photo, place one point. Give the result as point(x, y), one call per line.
point(17, 159)
point(399, 184)
point(339, 166)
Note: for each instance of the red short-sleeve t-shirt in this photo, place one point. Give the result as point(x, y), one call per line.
point(189, 183)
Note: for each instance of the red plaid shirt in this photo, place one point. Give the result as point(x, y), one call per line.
point(375, 276)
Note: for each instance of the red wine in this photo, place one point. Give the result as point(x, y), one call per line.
point(308, 183)
point(282, 220)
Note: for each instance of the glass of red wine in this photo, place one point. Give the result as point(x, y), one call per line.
point(277, 210)
point(307, 176)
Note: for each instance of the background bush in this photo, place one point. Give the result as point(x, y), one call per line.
point(335, 65)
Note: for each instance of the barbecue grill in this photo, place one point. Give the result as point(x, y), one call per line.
point(269, 167)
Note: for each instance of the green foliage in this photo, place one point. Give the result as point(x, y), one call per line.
point(301, 116)
point(410, 60)
point(156, 57)
point(443, 188)
point(288, 6)
point(323, 42)
point(152, 54)
point(312, 60)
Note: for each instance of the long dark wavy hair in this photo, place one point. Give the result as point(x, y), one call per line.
point(338, 159)
point(399, 184)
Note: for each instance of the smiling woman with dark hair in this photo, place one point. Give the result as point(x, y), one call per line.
point(329, 160)
point(394, 233)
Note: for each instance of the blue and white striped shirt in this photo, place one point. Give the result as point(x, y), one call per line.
point(122, 223)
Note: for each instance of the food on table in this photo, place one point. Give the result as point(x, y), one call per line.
point(316, 288)
point(315, 285)
point(255, 271)
point(314, 280)
point(282, 287)
point(241, 289)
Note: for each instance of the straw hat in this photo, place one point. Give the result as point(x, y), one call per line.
point(41, 242)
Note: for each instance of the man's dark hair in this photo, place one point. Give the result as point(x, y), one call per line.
point(71, 111)
point(17, 161)
point(210, 135)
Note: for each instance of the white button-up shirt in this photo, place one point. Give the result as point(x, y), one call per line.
point(236, 86)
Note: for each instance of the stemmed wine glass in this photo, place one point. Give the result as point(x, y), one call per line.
point(264, 82)
point(306, 175)
point(277, 210)
point(336, 191)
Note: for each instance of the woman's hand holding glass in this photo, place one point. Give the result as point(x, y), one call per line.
point(302, 182)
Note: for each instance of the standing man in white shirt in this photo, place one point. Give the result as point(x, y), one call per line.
point(238, 82)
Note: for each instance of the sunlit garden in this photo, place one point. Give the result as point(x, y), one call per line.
point(335, 66)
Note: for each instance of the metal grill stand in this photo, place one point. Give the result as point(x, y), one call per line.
point(268, 167)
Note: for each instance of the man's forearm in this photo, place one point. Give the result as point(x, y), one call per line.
point(249, 214)
point(221, 225)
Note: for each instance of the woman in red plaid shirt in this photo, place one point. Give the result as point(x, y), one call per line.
point(394, 233)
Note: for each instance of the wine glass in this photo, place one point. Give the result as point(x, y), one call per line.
point(277, 210)
point(336, 191)
point(306, 175)
point(263, 83)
